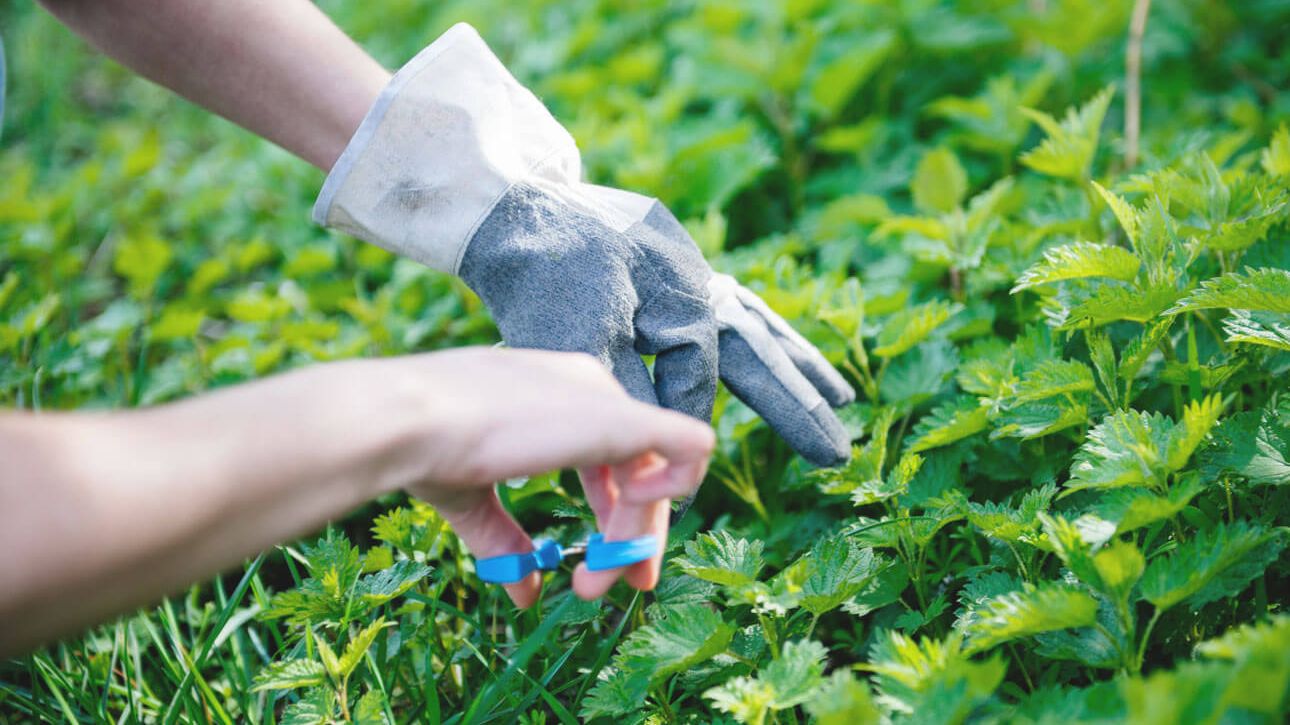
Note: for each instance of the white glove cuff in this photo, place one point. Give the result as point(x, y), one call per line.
point(446, 138)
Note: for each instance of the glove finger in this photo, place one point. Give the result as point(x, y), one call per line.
point(628, 367)
point(804, 355)
point(760, 373)
point(681, 333)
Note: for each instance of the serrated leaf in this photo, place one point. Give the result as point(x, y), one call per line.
point(1029, 612)
point(316, 708)
point(1199, 418)
point(910, 326)
point(882, 589)
point(864, 469)
point(1053, 378)
point(843, 699)
point(1125, 214)
point(1080, 260)
point(1266, 289)
point(836, 570)
point(1126, 449)
point(1068, 150)
point(722, 559)
point(1129, 509)
point(1252, 444)
point(328, 656)
point(746, 699)
point(948, 423)
point(358, 646)
point(370, 709)
point(1276, 157)
point(1112, 303)
point(1211, 565)
point(1000, 521)
point(1035, 420)
point(387, 584)
point(685, 636)
point(616, 692)
point(289, 675)
point(796, 674)
point(940, 184)
point(908, 671)
point(1269, 329)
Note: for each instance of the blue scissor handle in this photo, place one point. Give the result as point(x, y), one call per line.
point(511, 568)
point(603, 554)
point(547, 555)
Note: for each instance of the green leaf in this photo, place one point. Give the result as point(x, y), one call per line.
point(722, 559)
point(1003, 522)
point(1252, 444)
point(906, 672)
point(1269, 329)
point(1199, 418)
point(1080, 260)
point(864, 470)
point(1112, 303)
point(1119, 566)
point(836, 570)
point(1276, 157)
point(1035, 420)
point(746, 699)
point(940, 184)
point(843, 699)
point(359, 645)
point(289, 675)
point(1029, 612)
point(141, 259)
point(1126, 449)
point(1266, 289)
point(1068, 150)
point(328, 656)
point(837, 81)
point(177, 323)
point(316, 708)
point(1260, 655)
point(910, 326)
point(948, 423)
point(1129, 509)
point(1125, 214)
point(370, 709)
point(796, 674)
point(616, 692)
point(381, 587)
point(685, 636)
point(1211, 565)
point(1053, 378)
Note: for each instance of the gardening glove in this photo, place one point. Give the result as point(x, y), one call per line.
point(762, 359)
point(461, 168)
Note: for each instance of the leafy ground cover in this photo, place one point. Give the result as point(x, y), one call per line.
point(1068, 496)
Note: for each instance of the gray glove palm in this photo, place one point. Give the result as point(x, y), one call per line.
point(461, 168)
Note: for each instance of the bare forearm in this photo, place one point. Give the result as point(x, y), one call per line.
point(101, 514)
point(280, 69)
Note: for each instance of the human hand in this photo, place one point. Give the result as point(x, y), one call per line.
point(498, 414)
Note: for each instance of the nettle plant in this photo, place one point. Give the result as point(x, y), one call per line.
point(1141, 409)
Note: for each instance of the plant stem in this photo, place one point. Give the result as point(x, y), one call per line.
point(1146, 636)
point(1133, 82)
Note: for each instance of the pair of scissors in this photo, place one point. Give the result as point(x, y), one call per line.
point(547, 555)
